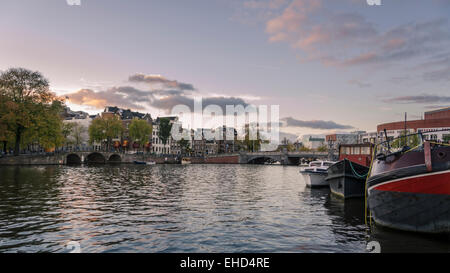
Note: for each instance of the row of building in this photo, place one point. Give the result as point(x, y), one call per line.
point(434, 126)
point(196, 146)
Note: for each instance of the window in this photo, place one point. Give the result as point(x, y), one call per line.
point(365, 150)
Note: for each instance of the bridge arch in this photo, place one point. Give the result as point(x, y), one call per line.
point(114, 158)
point(263, 159)
point(73, 159)
point(95, 158)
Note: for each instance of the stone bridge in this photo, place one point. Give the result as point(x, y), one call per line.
point(110, 157)
point(98, 157)
point(285, 158)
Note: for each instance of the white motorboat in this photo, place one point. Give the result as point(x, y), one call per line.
point(151, 162)
point(315, 174)
point(185, 160)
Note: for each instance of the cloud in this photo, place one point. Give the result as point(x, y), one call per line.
point(167, 103)
point(318, 31)
point(313, 124)
point(133, 98)
point(270, 4)
point(420, 99)
point(359, 83)
point(158, 79)
point(126, 97)
point(435, 107)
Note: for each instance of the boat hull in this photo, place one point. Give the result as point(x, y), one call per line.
point(419, 203)
point(346, 182)
point(315, 179)
point(411, 191)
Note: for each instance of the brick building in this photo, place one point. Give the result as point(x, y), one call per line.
point(434, 125)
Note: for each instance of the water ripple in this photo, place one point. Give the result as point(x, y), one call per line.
point(168, 208)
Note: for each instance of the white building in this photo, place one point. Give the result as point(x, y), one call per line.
point(158, 146)
point(313, 141)
point(83, 122)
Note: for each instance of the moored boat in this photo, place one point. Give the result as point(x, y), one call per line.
point(409, 189)
point(185, 161)
point(347, 177)
point(315, 174)
point(151, 162)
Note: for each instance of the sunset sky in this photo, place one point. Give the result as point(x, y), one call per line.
point(331, 65)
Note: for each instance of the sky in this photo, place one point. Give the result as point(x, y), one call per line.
point(330, 65)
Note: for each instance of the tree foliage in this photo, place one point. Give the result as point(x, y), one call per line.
point(184, 146)
point(402, 140)
point(77, 133)
point(29, 112)
point(105, 128)
point(140, 131)
point(322, 148)
point(165, 128)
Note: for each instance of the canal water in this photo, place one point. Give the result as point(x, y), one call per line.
point(184, 208)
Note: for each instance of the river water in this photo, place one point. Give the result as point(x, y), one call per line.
point(184, 208)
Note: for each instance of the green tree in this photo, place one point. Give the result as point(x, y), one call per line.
point(105, 129)
point(252, 145)
point(304, 149)
point(29, 111)
point(77, 133)
point(322, 148)
point(67, 130)
point(140, 131)
point(184, 146)
point(165, 128)
point(402, 140)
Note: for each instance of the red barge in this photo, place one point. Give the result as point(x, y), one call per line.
point(410, 189)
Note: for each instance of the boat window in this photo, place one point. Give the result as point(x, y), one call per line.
point(327, 164)
point(355, 150)
point(315, 164)
point(365, 150)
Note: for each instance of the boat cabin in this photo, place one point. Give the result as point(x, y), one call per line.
point(358, 153)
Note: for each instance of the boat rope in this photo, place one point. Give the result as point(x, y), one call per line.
point(355, 173)
point(437, 143)
point(412, 149)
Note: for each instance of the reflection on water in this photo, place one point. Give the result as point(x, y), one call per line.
point(189, 208)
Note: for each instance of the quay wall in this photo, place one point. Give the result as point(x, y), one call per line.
point(222, 159)
point(61, 159)
point(33, 160)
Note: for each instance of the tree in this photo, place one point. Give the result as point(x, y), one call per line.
point(165, 128)
point(402, 140)
point(252, 144)
point(67, 129)
point(29, 111)
point(304, 149)
point(105, 128)
point(77, 133)
point(322, 148)
point(140, 130)
point(184, 146)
